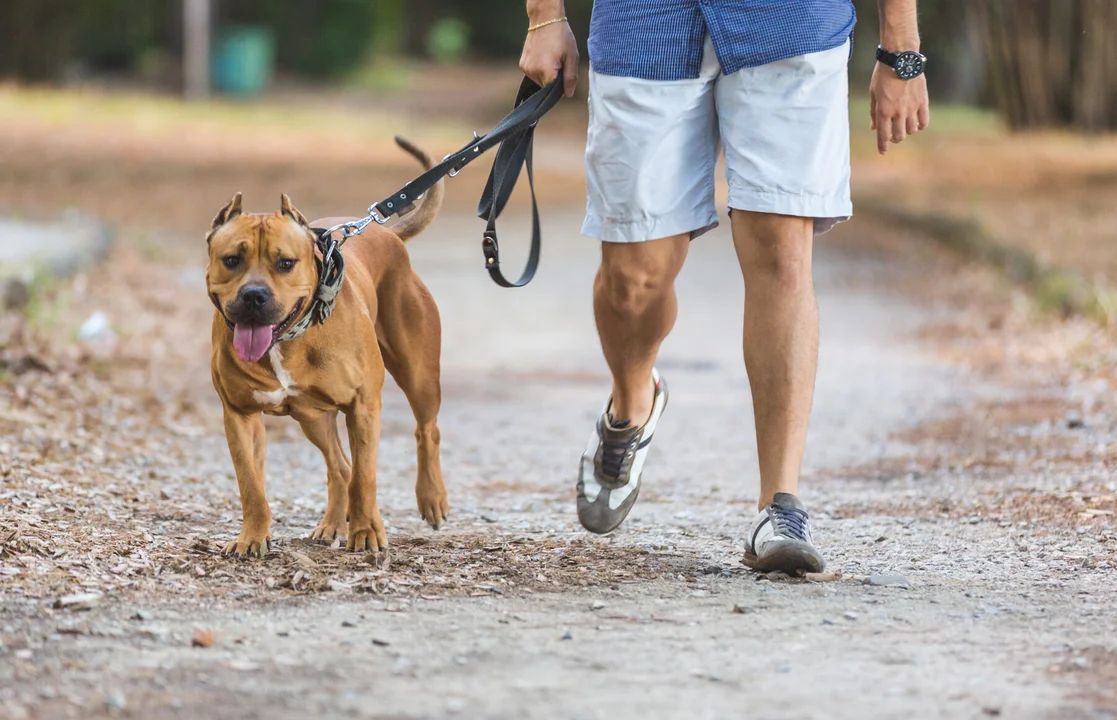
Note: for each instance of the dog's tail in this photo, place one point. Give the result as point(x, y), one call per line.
point(417, 220)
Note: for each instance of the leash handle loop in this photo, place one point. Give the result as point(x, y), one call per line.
point(514, 135)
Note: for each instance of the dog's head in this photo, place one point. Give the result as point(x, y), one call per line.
point(261, 273)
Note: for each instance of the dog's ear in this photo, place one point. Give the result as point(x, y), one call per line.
point(289, 210)
point(227, 213)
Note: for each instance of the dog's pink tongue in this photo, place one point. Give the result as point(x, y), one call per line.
point(251, 341)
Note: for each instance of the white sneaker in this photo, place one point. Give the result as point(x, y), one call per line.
point(610, 469)
point(780, 539)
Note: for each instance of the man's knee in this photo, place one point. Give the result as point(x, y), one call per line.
point(633, 278)
point(775, 250)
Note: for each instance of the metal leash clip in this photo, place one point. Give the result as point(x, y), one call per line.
point(354, 227)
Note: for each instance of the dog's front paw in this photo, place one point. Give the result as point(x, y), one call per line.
point(328, 530)
point(249, 544)
point(367, 536)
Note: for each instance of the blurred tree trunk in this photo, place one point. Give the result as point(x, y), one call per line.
point(1052, 63)
point(35, 38)
point(419, 19)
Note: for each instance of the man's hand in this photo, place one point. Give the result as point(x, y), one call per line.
point(897, 108)
point(551, 49)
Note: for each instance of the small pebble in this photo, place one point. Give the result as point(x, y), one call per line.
point(380, 643)
point(849, 615)
point(116, 699)
point(348, 623)
point(567, 636)
point(597, 605)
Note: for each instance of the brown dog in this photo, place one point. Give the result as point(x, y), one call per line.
point(262, 277)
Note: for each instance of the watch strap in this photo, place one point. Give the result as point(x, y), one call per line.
point(888, 58)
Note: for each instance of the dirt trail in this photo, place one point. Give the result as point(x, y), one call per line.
point(956, 441)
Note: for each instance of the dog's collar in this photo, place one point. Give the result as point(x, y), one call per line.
point(331, 273)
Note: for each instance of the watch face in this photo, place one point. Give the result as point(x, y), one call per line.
point(909, 65)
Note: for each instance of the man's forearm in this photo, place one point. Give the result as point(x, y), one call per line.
point(899, 25)
point(543, 10)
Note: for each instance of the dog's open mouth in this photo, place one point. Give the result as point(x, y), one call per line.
point(252, 342)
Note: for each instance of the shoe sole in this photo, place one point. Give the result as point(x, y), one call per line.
point(631, 501)
point(791, 558)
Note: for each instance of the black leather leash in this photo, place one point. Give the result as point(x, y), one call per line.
point(515, 135)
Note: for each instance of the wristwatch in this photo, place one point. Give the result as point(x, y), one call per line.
point(908, 65)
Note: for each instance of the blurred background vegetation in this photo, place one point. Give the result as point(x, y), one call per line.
point(1039, 63)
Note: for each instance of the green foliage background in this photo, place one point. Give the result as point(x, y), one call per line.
point(976, 55)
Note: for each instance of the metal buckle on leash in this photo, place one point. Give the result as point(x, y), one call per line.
point(489, 249)
point(454, 171)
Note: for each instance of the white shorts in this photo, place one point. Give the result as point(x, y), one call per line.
point(653, 146)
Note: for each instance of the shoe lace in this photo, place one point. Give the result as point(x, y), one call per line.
point(616, 456)
point(789, 522)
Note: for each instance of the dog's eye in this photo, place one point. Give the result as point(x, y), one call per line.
point(285, 265)
point(232, 261)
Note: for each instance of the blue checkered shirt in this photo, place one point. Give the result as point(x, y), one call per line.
point(662, 39)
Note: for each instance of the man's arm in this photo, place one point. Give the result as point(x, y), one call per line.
point(897, 108)
point(551, 48)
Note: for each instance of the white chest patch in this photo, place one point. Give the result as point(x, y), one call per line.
point(286, 384)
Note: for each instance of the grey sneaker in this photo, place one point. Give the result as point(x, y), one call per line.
point(780, 539)
point(609, 474)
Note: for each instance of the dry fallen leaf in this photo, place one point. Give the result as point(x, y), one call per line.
point(203, 638)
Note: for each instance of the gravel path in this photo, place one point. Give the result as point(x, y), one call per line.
point(963, 447)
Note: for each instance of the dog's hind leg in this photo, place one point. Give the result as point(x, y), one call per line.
point(411, 343)
point(322, 432)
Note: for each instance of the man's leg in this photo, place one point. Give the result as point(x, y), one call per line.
point(635, 307)
point(781, 357)
point(785, 129)
point(780, 340)
point(651, 151)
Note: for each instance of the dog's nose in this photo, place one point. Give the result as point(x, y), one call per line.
point(255, 296)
